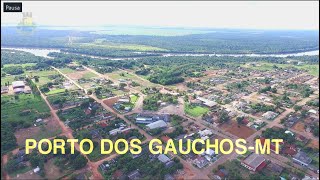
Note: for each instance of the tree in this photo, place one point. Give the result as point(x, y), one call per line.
point(79, 162)
point(297, 108)
point(36, 78)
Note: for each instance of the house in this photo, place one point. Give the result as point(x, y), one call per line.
point(270, 115)
point(163, 158)
point(254, 162)
point(312, 111)
point(302, 158)
point(124, 100)
point(104, 167)
point(134, 175)
point(292, 120)
point(144, 119)
point(18, 84)
point(201, 162)
point(150, 118)
point(4, 89)
point(205, 132)
point(221, 174)
point(207, 102)
point(157, 124)
point(290, 150)
point(274, 168)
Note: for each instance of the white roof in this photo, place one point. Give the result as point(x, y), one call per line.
point(210, 152)
point(163, 158)
point(37, 169)
point(157, 124)
point(312, 111)
point(17, 83)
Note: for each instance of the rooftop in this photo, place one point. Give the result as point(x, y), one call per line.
point(303, 157)
point(157, 124)
point(17, 84)
point(254, 160)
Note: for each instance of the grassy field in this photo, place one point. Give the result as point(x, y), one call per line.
point(195, 111)
point(89, 75)
point(43, 76)
point(120, 46)
point(22, 65)
point(23, 108)
point(67, 70)
point(6, 79)
point(55, 91)
point(133, 99)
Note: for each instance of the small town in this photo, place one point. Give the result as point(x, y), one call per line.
point(90, 85)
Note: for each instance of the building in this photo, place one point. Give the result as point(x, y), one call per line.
point(201, 162)
point(157, 124)
point(302, 158)
point(19, 87)
point(134, 175)
point(150, 118)
point(18, 84)
point(163, 158)
point(207, 102)
point(254, 162)
point(270, 115)
point(4, 89)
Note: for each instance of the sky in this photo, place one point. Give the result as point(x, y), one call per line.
point(210, 14)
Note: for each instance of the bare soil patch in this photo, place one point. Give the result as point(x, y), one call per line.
point(237, 130)
point(49, 129)
point(299, 126)
point(314, 144)
point(52, 171)
point(109, 102)
point(77, 75)
point(28, 175)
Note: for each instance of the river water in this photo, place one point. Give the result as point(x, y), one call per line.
point(44, 53)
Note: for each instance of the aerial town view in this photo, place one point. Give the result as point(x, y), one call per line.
point(164, 70)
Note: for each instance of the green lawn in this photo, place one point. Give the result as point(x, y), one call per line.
point(133, 98)
point(43, 76)
point(89, 75)
point(55, 91)
point(22, 65)
point(67, 70)
point(120, 46)
point(6, 79)
point(195, 111)
point(12, 108)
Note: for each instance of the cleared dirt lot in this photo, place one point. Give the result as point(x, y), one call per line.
point(52, 171)
point(109, 102)
point(314, 144)
point(237, 130)
point(80, 74)
point(299, 126)
point(47, 130)
point(28, 175)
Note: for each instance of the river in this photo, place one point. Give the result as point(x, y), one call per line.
point(44, 53)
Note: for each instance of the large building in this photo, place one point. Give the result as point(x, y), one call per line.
point(150, 118)
point(157, 124)
point(254, 162)
point(18, 87)
point(302, 158)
